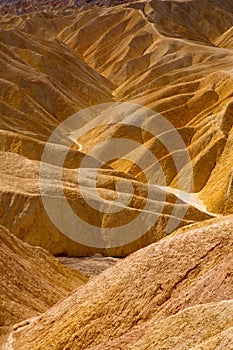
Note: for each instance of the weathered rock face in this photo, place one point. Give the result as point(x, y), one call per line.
point(32, 280)
point(150, 299)
point(207, 326)
point(62, 7)
point(33, 225)
point(175, 59)
point(168, 56)
point(188, 81)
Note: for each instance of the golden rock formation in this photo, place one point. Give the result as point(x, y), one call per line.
point(33, 225)
point(169, 56)
point(32, 280)
point(173, 294)
point(138, 99)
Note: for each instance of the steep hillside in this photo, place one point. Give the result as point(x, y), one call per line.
point(116, 139)
point(32, 280)
point(64, 7)
point(165, 63)
point(34, 226)
point(149, 298)
point(169, 56)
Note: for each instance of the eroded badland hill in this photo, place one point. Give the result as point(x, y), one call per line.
point(139, 96)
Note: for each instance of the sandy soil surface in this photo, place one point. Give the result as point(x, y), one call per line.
point(89, 266)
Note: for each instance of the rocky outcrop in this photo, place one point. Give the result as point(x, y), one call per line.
point(206, 326)
point(165, 55)
point(32, 280)
point(33, 225)
point(149, 87)
point(62, 7)
point(168, 295)
point(167, 64)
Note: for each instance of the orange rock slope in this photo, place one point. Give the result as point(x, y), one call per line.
point(149, 86)
point(170, 56)
point(32, 280)
point(173, 294)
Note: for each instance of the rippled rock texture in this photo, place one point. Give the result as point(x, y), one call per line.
point(149, 86)
point(173, 294)
point(171, 57)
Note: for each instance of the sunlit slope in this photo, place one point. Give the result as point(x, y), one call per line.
point(174, 294)
point(176, 59)
point(42, 83)
point(20, 193)
point(172, 57)
point(32, 280)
